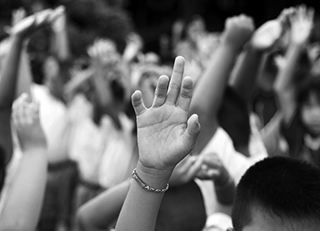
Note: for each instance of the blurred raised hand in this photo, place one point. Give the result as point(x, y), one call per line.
point(28, 25)
point(238, 31)
point(59, 19)
point(213, 169)
point(26, 122)
point(103, 53)
point(165, 132)
point(301, 25)
point(267, 35)
point(17, 16)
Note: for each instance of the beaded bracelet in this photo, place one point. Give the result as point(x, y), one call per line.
point(145, 186)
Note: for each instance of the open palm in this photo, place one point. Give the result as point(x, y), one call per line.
point(165, 134)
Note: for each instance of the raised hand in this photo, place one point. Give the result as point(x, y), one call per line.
point(17, 16)
point(213, 169)
point(165, 133)
point(266, 36)
point(301, 25)
point(103, 52)
point(186, 170)
point(28, 25)
point(25, 117)
point(285, 15)
point(238, 31)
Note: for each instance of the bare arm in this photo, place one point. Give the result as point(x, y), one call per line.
point(9, 74)
point(301, 26)
point(60, 42)
point(100, 212)
point(244, 75)
point(210, 89)
point(165, 137)
point(24, 198)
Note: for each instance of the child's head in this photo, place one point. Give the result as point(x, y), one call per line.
point(308, 100)
point(278, 194)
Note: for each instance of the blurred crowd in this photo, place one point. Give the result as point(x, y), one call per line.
point(68, 130)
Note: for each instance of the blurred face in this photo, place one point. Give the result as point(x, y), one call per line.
point(310, 114)
point(195, 29)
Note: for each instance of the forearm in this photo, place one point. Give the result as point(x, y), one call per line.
point(245, 73)
point(284, 85)
point(209, 92)
point(141, 207)
point(286, 76)
point(24, 75)
point(24, 201)
point(9, 73)
point(60, 45)
point(102, 88)
point(100, 212)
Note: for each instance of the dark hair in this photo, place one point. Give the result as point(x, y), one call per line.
point(233, 117)
point(310, 85)
point(284, 187)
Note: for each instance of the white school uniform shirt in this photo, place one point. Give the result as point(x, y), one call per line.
point(105, 154)
point(53, 120)
point(236, 163)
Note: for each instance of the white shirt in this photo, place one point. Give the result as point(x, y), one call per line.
point(53, 120)
point(105, 154)
point(236, 164)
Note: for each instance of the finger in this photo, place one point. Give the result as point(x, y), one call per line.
point(21, 115)
point(211, 162)
point(213, 173)
point(193, 127)
point(175, 81)
point(161, 91)
point(186, 94)
point(194, 169)
point(137, 103)
point(208, 174)
point(186, 163)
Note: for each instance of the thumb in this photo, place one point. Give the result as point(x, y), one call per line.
point(193, 129)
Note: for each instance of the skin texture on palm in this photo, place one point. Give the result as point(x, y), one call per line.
point(166, 122)
point(165, 136)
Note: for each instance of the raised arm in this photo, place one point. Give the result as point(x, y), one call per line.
point(60, 42)
point(244, 75)
point(23, 200)
point(165, 136)
point(301, 26)
point(9, 73)
point(210, 89)
point(100, 212)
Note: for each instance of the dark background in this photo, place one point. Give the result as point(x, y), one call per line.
point(150, 18)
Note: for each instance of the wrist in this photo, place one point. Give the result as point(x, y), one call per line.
point(156, 178)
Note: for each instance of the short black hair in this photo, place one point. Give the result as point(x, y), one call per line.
point(233, 117)
point(284, 187)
